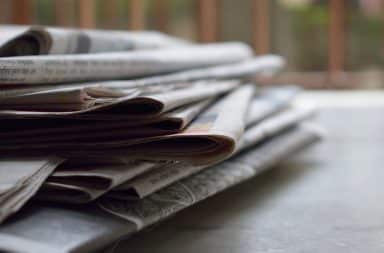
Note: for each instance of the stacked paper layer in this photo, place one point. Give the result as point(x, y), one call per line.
point(135, 124)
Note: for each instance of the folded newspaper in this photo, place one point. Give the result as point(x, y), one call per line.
point(62, 129)
point(119, 130)
point(211, 137)
point(73, 185)
point(71, 182)
point(74, 232)
point(20, 179)
point(137, 103)
point(119, 90)
point(114, 65)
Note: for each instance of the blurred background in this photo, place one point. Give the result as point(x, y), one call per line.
point(328, 44)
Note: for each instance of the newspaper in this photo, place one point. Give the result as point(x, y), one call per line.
point(161, 83)
point(85, 183)
point(156, 179)
point(114, 88)
point(9, 32)
point(275, 124)
point(162, 175)
point(115, 65)
point(66, 99)
point(15, 131)
point(51, 229)
point(38, 40)
point(211, 137)
point(132, 103)
point(270, 100)
point(20, 178)
point(33, 232)
point(198, 187)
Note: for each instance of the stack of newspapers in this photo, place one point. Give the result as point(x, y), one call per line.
point(104, 133)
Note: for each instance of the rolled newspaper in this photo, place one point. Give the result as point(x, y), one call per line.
point(40, 40)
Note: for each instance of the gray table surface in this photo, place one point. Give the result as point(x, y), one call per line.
point(329, 198)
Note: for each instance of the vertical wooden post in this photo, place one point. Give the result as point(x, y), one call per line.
point(161, 14)
point(5, 8)
point(110, 13)
point(86, 13)
point(381, 49)
point(336, 44)
point(136, 15)
point(22, 12)
point(207, 14)
point(261, 32)
point(63, 12)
